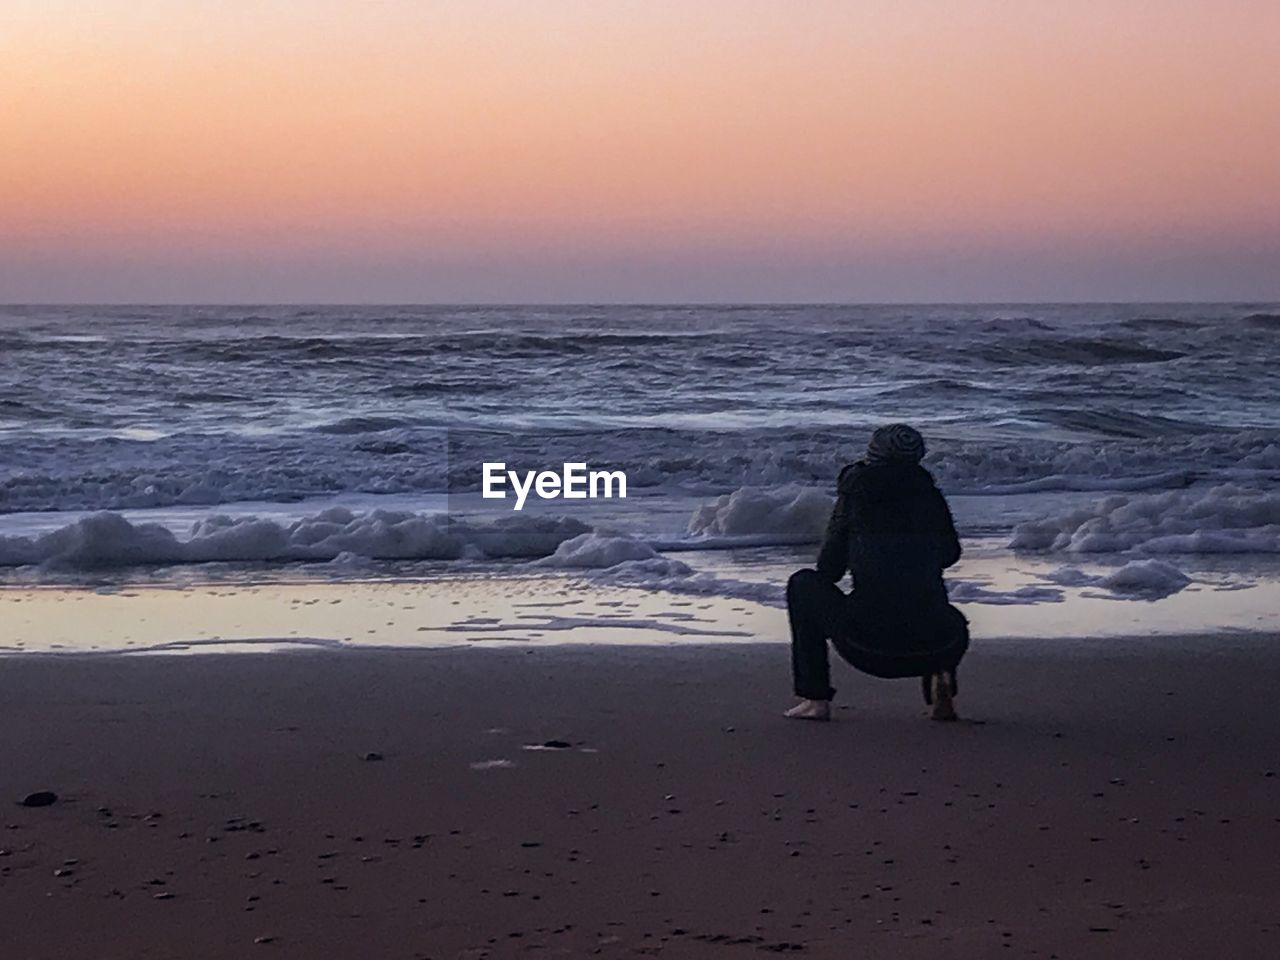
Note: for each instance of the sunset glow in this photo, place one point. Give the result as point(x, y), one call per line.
point(552, 150)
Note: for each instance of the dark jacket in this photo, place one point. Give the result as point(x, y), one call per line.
point(892, 531)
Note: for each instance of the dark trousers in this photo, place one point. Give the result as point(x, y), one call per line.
point(820, 611)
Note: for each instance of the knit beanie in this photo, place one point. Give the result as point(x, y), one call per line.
point(895, 443)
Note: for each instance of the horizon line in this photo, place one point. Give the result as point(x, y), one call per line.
point(443, 304)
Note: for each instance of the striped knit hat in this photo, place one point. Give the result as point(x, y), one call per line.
point(897, 443)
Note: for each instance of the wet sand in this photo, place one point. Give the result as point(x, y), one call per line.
point(1118, 799)
point(553, 608)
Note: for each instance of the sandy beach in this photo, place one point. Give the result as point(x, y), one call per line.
point(436, 440)
point(1114, 799)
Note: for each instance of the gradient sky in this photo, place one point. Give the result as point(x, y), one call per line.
point(639, 150)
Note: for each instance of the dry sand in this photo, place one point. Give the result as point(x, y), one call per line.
point(1114, 800)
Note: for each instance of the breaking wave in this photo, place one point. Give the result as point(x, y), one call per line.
point(107, 540)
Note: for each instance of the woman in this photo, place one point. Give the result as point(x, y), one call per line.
point(892, 531)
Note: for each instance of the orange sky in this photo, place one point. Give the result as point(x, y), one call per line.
point(644, 150)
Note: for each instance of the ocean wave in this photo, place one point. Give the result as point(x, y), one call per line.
point(503, 345)
point(108, 540)
point(210, 396)
point(1065, 483)
point(1087, 352)
point(939, 387)
point(71, 473)
point(349, 425)
point(23, 410)
point(384, 447)
point(286, 403)
point(1268, 320)
point(443, 388)
point(1163, 323)
point(1114, 422)
point(17, 342)
point(396, 346)
point(734, 359)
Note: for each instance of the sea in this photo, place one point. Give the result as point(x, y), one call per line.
point(1127, 449)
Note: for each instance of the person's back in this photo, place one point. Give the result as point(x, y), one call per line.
point(892, 531)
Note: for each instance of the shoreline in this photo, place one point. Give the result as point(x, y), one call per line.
point(561, 607)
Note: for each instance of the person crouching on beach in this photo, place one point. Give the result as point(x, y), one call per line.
point(892, 530)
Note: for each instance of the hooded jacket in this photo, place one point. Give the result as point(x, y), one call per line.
point(893, 532)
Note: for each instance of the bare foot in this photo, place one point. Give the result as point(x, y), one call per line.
point(810, 710)
point(944, 708)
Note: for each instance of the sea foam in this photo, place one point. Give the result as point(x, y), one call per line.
point(1226, 518)
point(105, 540)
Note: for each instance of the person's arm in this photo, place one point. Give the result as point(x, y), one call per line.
point(833, 557)
point(948, 539)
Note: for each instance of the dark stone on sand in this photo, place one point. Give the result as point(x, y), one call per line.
point(372, 757)
point(41, 798)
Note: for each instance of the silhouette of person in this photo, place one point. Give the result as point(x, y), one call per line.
point(892, 531)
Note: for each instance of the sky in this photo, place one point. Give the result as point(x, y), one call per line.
point(639, 150)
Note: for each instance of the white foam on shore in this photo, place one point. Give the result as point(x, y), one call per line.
point(349, 541)
point(105, 540)
point(594, 550)
point(622, 560)
point(1064, 482)
point(1223, 519)
point(672, 576)
point(971, 591)
point(796, 514)
point(1148, 579)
